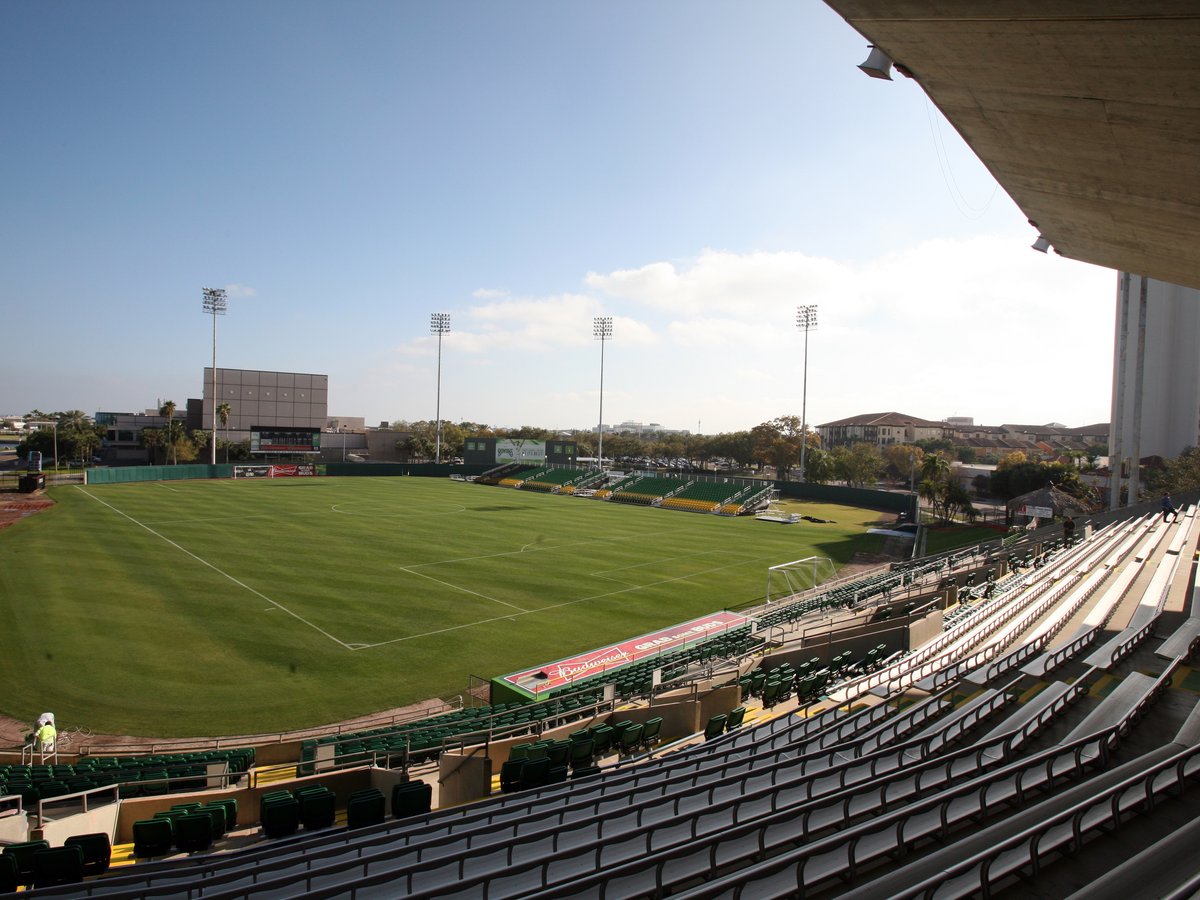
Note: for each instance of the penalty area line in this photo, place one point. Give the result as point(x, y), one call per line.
point(463, 589)
point(220, 572)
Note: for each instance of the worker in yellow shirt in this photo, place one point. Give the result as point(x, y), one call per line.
point(46, 736)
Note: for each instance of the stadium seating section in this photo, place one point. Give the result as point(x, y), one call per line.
point(687, 493)
point(1027, 737)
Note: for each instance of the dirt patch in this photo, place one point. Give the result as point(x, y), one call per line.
point(13, 731)
point(14, 507)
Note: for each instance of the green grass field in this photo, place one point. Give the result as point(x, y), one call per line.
point(221, 607)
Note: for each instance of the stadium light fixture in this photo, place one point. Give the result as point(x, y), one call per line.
point(215, 304)
point(878, 64)
point(601, 331)
point(1041, 245)
point(439, 324)
point(806, 320)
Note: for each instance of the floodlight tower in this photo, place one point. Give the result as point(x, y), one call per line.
point(806, 320)
point(601, 331)
point(439, 324)
point(215, 304)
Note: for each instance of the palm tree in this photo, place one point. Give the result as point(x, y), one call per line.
point(75, 420)
point(168, 410)
point(152, 439)
point(223, 411)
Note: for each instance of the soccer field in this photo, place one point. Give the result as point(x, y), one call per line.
point(222, 607)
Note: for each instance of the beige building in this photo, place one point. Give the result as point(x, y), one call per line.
point(881, 429)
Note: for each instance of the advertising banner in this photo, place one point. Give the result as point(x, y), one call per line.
point(564, 671)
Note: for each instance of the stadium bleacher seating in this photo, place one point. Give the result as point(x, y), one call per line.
point(952, 768)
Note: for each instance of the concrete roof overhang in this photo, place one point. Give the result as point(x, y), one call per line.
point(1087, 113)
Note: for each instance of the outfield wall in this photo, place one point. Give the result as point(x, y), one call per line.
point(835, 493)
point(123, 474)
point(424, 470)
point(830, 493)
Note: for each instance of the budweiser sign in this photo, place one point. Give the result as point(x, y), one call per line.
point(564, 671)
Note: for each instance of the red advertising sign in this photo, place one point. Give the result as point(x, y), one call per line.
point(564, 671)
point(293, 471)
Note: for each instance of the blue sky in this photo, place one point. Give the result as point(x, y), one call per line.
point(693, 169)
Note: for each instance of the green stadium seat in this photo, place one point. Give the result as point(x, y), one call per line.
point(411, 798)
point(510, 775)
point(153, 837)
point(558, 752)
point(582, 752)
point(193, 832)
point(535, 774)
point(651, 732)
point(715, 726)
point(630, 738)
point(280, 816)
point(10, 878)
point(771, 693)
point(318, 809)
point(219, 816)
point(22, 854)
point(230, 805)
point(365, 807)
point(735, 718)
point(603, 736)
point(96, 849)
point(58, 865)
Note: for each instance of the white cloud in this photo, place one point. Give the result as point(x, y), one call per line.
point(240, 290)
point(982, 327)
point(488, 293)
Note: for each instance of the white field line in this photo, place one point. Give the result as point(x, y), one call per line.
point(603, 573)
point(215, 519)
point(538, 548)
point(527, 612)
point(463, 589)
point(224, 574)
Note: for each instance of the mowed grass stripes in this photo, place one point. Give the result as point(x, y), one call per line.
point(229, 607)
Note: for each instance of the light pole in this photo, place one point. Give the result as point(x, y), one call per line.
point(601, 331)
point(215, 304)
point(439, 324)
point(806, 319)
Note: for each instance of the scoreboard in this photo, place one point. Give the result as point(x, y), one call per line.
point(271, 439)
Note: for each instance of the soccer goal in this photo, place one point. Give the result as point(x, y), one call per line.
point(252, 471)
point(790, 579)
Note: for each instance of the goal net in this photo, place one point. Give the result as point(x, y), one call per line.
point(791, 579)
point(252, 471)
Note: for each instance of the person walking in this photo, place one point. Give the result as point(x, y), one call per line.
point(1069, 530)
point(1168, 508)
point(47, 734)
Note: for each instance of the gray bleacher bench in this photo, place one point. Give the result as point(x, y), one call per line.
point(1102, 658)
point(1158, 871)
point(1034, 708)
point(1180, 642)
point(1189, 732)
point(1048, 660)
point(1115, 707)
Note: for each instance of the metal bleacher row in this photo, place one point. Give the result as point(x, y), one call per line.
point(1055, 729)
